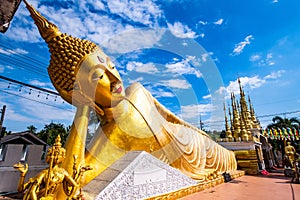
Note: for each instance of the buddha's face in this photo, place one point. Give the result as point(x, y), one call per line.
point(101, 81)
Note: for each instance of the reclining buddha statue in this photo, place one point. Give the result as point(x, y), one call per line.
point(131, 119)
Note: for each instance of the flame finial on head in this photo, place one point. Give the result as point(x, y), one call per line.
point(47, 29)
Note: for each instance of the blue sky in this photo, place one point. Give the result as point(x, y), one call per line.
point(187, 53)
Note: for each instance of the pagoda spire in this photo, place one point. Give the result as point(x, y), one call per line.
point(243, 130)
point(227, 129)
point(255, 122)
point(236, 120)
point(246, 116)
point(231, 121)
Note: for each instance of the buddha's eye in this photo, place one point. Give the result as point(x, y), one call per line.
point(98, 74)
point(111, 65)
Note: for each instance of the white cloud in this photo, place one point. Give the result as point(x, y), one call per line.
point(238, 49)
point(205, 56)
point(207, 96)
point(203, 22)
point(148, 68)
point(165, 94)
point(111, 33)
point(176, 83)
point(132, 40)
point(160, 93)
point(194, 60)
point(183, 67)
point(222, 90)
point(139, 79)
point(98, 5)
point(263, 60)
point(39, 83)
point(275, 1)
point(193, 111)
point(181, 31)
point(249, 83)
point(219, 22)
point(275, 75)
point(80, 21)
point(142, 11)
point(255, 57)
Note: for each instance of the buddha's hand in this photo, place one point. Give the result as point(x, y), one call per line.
point(79, 98)
point(22, 168)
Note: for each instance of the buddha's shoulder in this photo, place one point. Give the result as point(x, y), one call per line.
point(134, 89)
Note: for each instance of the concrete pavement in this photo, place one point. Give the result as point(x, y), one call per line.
point(273, 186)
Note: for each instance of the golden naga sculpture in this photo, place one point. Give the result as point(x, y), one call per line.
point(130, 120)
point(46, 184)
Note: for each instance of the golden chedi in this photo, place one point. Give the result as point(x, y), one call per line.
point(130, 120)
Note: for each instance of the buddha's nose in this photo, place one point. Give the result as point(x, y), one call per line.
point(112, 77)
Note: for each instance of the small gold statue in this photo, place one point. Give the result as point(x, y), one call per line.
point(45, 184)
point(290, 153)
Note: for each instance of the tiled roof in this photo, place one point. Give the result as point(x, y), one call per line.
point(24, 137)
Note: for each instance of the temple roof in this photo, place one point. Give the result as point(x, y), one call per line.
point(24, 137)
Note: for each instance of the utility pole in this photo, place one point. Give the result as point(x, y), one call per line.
point(2, 117)
point(201, 124)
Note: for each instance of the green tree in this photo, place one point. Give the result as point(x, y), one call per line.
point(279, 122)
point(51, 131)
point(32, 129)
point(214, 134)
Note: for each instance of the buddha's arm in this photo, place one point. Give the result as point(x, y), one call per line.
point(75, 144)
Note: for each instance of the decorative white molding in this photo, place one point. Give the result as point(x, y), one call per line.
point(143, 176)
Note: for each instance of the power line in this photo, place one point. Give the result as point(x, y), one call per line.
point(259, 117)
point(284, 113)
point(21, 61)
point(10, 93)
point(22, 64)
point(14, 52)
point(38, 89)
point(28, 85)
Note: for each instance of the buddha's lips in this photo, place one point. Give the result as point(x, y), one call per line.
point(119, 89)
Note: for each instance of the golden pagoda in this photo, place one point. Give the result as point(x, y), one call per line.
point(243, 134)
point(243, 121)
